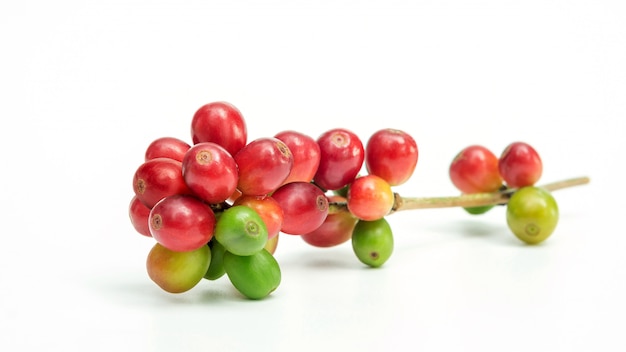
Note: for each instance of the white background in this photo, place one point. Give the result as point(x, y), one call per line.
point(86, 85)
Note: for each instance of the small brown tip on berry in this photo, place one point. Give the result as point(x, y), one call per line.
point(532, 229)
point(252, 228)
point(283, 149)
point(339, 139)
point(141, 186)
point(322, 203)
point(204, 157)
point(156, 221)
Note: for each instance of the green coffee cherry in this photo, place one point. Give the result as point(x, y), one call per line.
point(216, 268)
point(478, 210)
point(241, 230)
point(255, 276)
point(342, 192)
point(532, 214)
point(372, 241)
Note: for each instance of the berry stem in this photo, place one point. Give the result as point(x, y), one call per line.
point(475, 199)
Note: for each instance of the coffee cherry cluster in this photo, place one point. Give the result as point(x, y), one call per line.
point(532, 212)
point(216, 206)
point(361, 202)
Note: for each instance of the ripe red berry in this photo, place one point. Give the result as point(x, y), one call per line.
point(520, 165)
point(263, 166)
point(139, 215)
point(475, 170)
point(342, 156)
point(336, 229)
point(220, 123)
point(210, 172)
point(306, 155)
point(167, 147)
point(158, 178)
point(304, 207)
point(391, 154)
point(182, 223)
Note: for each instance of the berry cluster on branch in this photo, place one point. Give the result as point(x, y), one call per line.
point(217, 206)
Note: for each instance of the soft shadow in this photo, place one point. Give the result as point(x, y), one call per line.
point(477, 228)
point(127, 290)
point(322, 258)
point(472, 229)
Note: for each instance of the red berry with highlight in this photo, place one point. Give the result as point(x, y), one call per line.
point(158, 178)
point(263, 166)
point(342, 156)
point(139, 215)
point(182, 223)
point(475, 169)
point(336, 229)
point(520, 165)
point(167, 147)
point(391, 154)
point(221, 123)
point(304, 207)
point(306, 155)
point(210, 172)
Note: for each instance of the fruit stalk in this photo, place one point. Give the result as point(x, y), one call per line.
point(475, 199)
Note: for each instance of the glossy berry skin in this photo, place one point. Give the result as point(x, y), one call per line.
point(304, 207)
point(336, 229)
point(177, 272)
point(139, 215)
point(370, 198)
point(306, 155)
point(479, 210)
point(255, 276)
point(474, 170)
point(167, 147)
point(221, 123)
point(532, 214)
point(272, 244)
point(158, 178)
point(520, 165)
point(241, 230)
point(210, 172)
point(392, 155)
point(341, 158)
point(372, 242)
point(269, 210)
point(216, 267)
point(182, 223)
point(264, 164)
